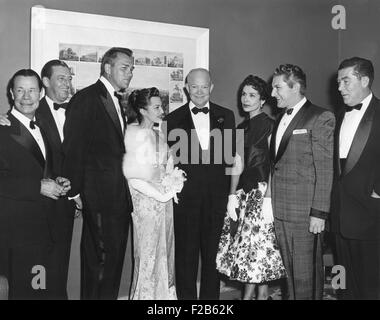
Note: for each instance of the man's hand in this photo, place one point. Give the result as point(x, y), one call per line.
point(232, 204)
point(317, 225)
point(51, 189)
point(4, 120)
point(65, 183)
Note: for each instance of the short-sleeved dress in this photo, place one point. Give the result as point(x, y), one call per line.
point(248, 251)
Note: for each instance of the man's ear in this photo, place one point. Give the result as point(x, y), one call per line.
point(11, 93)
point(296, 87)
point(46, 82)
point(211, 87)
point(107, 68)
point(364, 81)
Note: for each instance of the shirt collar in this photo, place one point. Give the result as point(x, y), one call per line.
point(299, 105)
point(366, 101)
point(111, 90)
point(50, 103)
point(22, 118)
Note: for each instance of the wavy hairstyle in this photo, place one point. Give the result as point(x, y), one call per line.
point(137, 100)
point(256, 83)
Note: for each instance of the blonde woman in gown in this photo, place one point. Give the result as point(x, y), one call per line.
point(145, 165)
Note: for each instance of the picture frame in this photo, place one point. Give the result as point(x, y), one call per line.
point(164, 53)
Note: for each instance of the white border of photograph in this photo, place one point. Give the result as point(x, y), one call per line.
point(50, 27)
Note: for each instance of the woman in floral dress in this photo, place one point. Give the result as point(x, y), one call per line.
point(247, 249)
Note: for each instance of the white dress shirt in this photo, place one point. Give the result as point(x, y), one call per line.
point(58, 115)
point(36, 133)
point(115, 100)
point(202, 125)
point(349, 126)
point(285, 121)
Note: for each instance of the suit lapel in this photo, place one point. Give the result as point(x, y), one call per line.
point(360, 137)
point(298, 121)
point(339, 120)
point(110, 107)
point(23, 137)
point(194, 146)
point(273, 139)
point(46, 119)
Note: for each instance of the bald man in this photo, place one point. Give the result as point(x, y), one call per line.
point(197, 133)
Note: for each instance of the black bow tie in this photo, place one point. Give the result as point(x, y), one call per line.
point(118, 95)
point(195, 110)
point(57, 105)
point(289, 111)
point(357, 107)
point(32, 124)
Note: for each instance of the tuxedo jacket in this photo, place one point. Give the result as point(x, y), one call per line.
point(61, 219)
point(93, 150)
point(355, 214)
point(46, 120)
point(209, 171)
point(302, 169)
point(24, 211)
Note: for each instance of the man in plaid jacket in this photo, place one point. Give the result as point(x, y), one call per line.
point(302, 174)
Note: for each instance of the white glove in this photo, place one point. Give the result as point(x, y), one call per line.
point(267, 207)
point(232, 204)
point(165, 197)
point(150, 190)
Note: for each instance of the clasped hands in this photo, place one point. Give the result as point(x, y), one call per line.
point(55, 188)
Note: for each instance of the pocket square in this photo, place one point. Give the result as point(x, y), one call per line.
point(300, 131)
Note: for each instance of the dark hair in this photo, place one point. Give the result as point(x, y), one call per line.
point(256, 83)
point(47, 69)
point(362, 68)
point(23, 73)
point(111, 55)
point(137, 100)
point(292, 74)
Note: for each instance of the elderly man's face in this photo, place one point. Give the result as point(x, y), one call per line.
point(26, 95)
point(199, 87)
point(351, 86)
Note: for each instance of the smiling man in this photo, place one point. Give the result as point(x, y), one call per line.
point(25, 185)
point(302, 173)
point(198, 217)
point(356, 192)
point(94, 149)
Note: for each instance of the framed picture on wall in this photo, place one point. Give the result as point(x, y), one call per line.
point(163, 53)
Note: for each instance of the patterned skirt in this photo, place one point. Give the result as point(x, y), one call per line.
point(248, 251)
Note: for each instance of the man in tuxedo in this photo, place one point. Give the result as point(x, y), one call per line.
point(198, 132)
point(302, 172)
point(93, 151)
point(356, 194)
point(50, 115)
point(26, 184)
point(56, 78)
